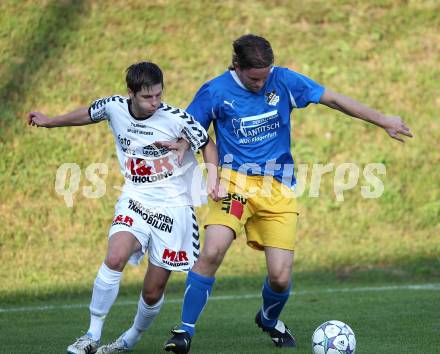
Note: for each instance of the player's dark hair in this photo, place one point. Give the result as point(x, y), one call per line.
point(143, 74)
point(251, 51)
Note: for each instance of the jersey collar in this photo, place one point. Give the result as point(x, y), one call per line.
point(132, 114)
point(237, 80)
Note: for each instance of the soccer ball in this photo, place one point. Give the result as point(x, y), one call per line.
point(333, 337)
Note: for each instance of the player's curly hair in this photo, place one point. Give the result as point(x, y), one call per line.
point(251, 51)
point(143, 74)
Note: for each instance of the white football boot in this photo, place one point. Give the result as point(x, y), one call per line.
point(83, 345)
point(118, 346)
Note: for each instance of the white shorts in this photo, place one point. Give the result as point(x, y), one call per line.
point(170, 235)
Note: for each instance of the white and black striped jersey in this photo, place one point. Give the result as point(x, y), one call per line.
point(152, 173)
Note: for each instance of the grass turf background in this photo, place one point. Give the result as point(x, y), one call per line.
point(58, 55)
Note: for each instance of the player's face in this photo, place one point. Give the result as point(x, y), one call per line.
point(146, 101)
point(253, 79)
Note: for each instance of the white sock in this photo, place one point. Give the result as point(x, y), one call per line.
point(105, 291)
point(144, 318)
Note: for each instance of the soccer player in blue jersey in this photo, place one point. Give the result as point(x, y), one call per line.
point(250, 106)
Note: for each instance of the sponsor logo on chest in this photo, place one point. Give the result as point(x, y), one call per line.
point(256, 128)
point(139, 129)
point(148, 171)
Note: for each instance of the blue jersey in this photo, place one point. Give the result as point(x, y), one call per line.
point(253, 129)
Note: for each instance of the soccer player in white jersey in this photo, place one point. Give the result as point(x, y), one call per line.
point(250, 106)
point(154, 213)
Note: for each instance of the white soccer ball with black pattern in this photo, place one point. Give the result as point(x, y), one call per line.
point(333, 337)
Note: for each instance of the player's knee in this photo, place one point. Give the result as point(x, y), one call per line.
point(152, 296)
point(279, 282)
point(116, 262)
point(212, 256)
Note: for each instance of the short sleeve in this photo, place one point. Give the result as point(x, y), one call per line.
point(98, 109)
point(193, 132)
point(303, 90)
point(201, 107)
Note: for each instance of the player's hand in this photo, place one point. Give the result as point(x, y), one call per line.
point(394, 125)
point(221, 191)
point(179, 147)
point(215, 189)
point(38, 119)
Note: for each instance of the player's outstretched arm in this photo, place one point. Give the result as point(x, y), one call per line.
point(77, 117)
point(393, 125)
point(210, 156)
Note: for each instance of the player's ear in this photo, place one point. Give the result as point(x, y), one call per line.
point(234, 61)
point(131, 94)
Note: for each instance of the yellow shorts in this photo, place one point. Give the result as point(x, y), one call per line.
point(266, 209)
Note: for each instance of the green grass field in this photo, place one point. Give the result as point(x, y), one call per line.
point(395, 318)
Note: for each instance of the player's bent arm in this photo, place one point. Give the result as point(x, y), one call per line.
point(393, 125)
point(78, 117)
point(210, 157)
point(180, 147)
